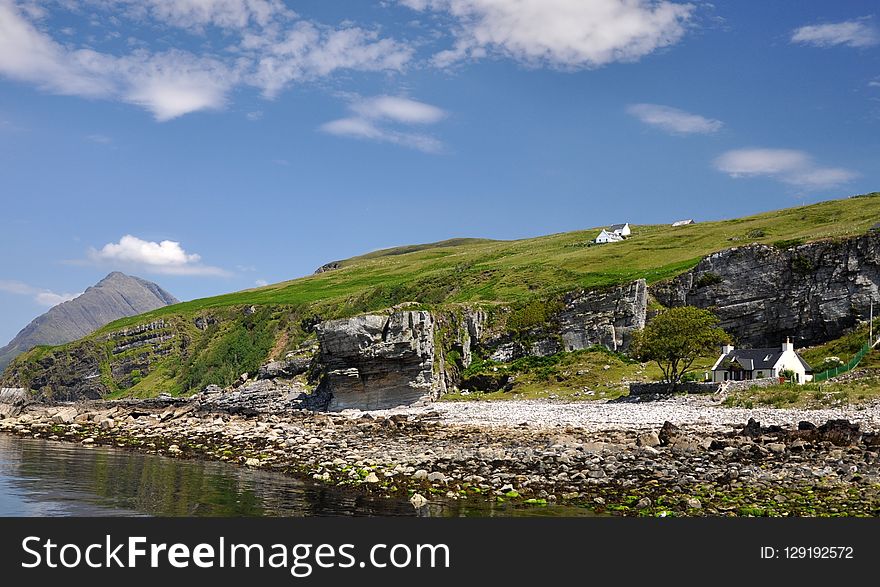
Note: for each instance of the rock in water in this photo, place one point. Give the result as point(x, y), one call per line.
point(114, 297)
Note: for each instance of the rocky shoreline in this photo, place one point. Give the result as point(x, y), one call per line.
point(706, 461)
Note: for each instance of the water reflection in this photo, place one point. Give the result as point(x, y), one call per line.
point(43, 478)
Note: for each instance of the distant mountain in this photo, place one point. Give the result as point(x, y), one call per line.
point(114, 297)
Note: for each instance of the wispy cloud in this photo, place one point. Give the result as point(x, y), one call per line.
point(787, 165)
point(558, 33)
point(261, 283)
point(398, 109)
point(254, 115)
point(673, 120)
point(380, 119)
point(852, 33)
point(43, 297)
point(165, 257)
point(99, 138)
point(271, 47)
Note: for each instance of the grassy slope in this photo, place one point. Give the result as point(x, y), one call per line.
point(472, 270)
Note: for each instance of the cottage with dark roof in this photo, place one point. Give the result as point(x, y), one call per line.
point(743, 364)
point(620, 229)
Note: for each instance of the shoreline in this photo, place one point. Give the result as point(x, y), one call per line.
point(618, 460)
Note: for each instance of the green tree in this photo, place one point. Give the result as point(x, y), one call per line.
point(676, 338)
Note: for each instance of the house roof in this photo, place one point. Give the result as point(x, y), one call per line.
point(754, 359)
point(618, 226)
point(683, 222)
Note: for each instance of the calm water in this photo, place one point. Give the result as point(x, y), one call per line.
point(44, 478)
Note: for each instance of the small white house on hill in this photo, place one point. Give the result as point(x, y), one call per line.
point(683, 222)
point(608, 237)
point(744, 364)
point(620, 229)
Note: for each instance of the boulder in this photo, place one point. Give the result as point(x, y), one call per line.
point(668, 433)
point(839, 432)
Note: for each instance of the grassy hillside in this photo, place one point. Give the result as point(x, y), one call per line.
point(517, 273)
point(472, 270)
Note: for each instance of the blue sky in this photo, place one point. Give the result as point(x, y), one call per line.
point(213, 145)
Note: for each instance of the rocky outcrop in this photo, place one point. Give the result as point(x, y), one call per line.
point(375, 361)
point(763, 294)
point(63, 376)
point(114, 297)
point(604, 317)
point(332, 266)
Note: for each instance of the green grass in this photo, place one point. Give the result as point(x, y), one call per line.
point(810, 395)
point(844, 348)
point(590, 374)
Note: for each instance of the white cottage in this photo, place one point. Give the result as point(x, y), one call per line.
point(687, 222)
point(741, 364)
point(608, 237)
point(620, 229)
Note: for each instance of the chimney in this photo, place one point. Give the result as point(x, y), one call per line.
point(787, 345)
point(727, 349)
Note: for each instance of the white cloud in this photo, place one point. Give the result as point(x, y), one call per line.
point(227, 14)
point(268, 49)
point(307, 51)
point(176, 83)
point(560, 33)
point(166, 257)
point(373, 119)
point(254, 115)
point(787, 165)
point(674, 120)
point(852, 33)
point(43, 297)
point(398, 109)
point(261, 283)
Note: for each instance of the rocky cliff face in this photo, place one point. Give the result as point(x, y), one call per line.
point(376, 362)
point(604, 317)
point(114, 297)
point(811, 293)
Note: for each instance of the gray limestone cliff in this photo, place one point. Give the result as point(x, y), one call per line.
point(762, 294)
point(114, 297)
point(605, 317)
point(376, 361)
